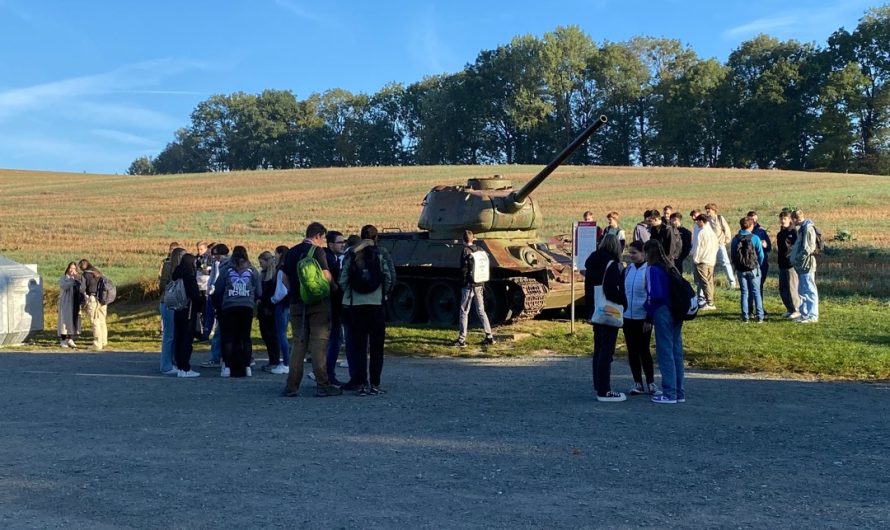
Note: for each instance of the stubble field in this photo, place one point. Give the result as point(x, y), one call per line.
point(123, 224)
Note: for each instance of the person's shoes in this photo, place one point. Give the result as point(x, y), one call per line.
point(350, 386)
point(662, 399)
point(376, 391)
point(190, 373)
point(745, 321)
point(363, 391)
point(172, 371)
point(787, 314)
point(809, 320)
point(681, 399)
point(63, 343)
point(459, 343)
point(311, 375)
point(612, 397)
point(636, 390)
point(210, 364)
point(225, 372)
point(248, 372)
point(327, 391)
point(280, 369)
point(268, 367)
point(794, 316)
point(708, 307)
point(760, 321)
point(652, 388)
point(71, 343)
point(335, 382)
point(290, 393)
point(252, 363)
point(489, 340)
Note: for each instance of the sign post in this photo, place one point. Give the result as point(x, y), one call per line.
point(583, 244)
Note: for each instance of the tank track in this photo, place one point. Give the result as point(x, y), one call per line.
point(533, 293)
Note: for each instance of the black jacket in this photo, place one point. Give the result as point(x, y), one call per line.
point(189, 281)
point(785, 240)
point(613, 286)
point(686, 239)
point(670, 241)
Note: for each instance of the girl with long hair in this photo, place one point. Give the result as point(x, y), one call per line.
point(668, 330)
point(265, 313)
point(71, 297)
point(604, 268)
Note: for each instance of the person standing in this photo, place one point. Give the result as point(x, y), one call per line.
point(236, 292)
point(96, 311)
point(668, 329)
point(612, 227)
point(366, 279)
point(219, 261)
point(604, 268)
point(185, 319)
point(164, 274)
point(637, 331)
point(723, 232)
point(336, 244)
point(281, 299)
point(641, 231)
point(311, 323)
point(202, 274)
point(676, 220)
point(785, 240)
point(71, 297)
point(704, 257)
point(471, 293)
point(760, 232)
point(747, 255)
point(265, 312)
point(803, 258)
point(668, 236)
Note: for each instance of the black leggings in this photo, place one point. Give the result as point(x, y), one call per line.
point(604, 338)
point(637, 335)
point(234, 325)
point(367, 332)
point(183, 335)
point(270, 336)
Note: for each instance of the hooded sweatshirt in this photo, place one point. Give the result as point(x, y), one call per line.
point(377, 297)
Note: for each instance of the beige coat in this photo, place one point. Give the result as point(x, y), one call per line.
point(705, 247)
point(69, 319)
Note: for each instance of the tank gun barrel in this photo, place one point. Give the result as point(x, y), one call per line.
point(518, 197)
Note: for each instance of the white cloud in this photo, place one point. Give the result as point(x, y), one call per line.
point(122, 137)
point(802, 24)
point(299, 11)
point(429, 48)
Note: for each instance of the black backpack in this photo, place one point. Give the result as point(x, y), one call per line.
point(684, 300)
point(746, 255)
point(820, 244)
point(106, 292)
point(366, 278)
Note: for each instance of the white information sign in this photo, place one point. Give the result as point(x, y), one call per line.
point(585, 242)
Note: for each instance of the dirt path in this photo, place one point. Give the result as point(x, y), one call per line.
point(99, 441)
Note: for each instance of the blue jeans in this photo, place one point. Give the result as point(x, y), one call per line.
point(809, 295)
point(209, 319)
point(749, 281)
point(669, 352)
point(282, 319)
point(724, 261)
point(216, 344)
point(166, 337)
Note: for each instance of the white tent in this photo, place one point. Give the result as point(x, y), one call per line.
point(21, 302)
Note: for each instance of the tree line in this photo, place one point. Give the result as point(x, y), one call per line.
point(773, 104)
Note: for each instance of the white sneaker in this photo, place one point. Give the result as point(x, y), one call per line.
point(652, 388)
point(252, 363)
point(71, 343)
point(172, 371)
point(280, 369)
point(225, 372)
point(190, 373)
point(63, 343)
point(809, 320)
point(249, 372)
point(793, 316)
point(787, 314)
point(612, 397)
point(636, 390)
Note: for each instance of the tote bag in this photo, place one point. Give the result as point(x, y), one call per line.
point(606, 312)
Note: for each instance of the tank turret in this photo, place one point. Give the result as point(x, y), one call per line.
point(528, 275)
point(490, 207)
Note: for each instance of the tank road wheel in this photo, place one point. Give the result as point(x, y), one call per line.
point(495, 295)
point(403, 304)
point(442, 301)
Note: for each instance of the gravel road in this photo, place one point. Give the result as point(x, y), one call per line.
point(100, 441)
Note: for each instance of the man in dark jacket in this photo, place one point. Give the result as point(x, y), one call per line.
point(471, 292)
point(184, 319)
point(333, 253)
point(785, 240)
point(767, 247)
point(668, 236)
point(685, 239)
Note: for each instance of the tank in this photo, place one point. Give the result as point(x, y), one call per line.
point(528, 274)
point(21, 302)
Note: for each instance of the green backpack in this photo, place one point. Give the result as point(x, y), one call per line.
point(313, 286)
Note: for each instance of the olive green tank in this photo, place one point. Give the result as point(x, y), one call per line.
point(528, 274)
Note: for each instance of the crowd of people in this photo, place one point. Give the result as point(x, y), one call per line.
point(331, 291)
point(659, 246)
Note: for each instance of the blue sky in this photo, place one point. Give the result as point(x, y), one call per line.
point(90, 86)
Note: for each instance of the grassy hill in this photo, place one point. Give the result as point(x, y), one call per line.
point(124, 224)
